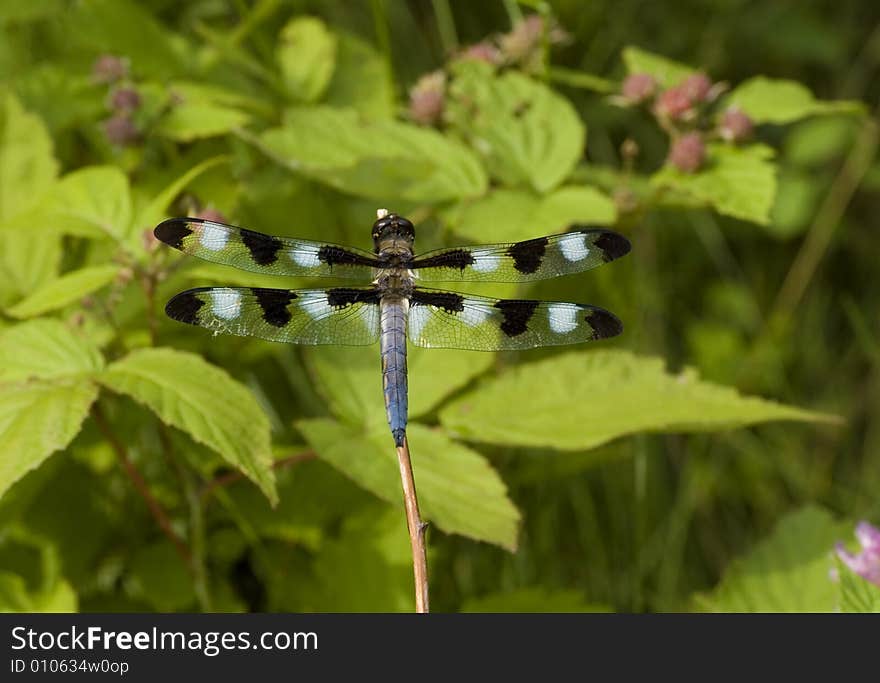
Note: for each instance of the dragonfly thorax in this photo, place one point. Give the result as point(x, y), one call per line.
point(393, 235)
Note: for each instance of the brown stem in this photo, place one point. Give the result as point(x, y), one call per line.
point(416, 527)
point(140, 485)
point(234, 476)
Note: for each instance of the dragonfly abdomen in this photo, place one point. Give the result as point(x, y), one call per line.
point(392, 343)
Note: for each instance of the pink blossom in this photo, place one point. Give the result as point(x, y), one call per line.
point(674, 103)
point(426, 98)
point(638, 87)
point(866, 563)
point(697, 87)
point(687, 153)
point(735, 125)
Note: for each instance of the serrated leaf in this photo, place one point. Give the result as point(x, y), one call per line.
point(27, 264)
point(65, 290)
point(768, 100)
point(94, 201)
point(202, 400)
point(526, 133)
point(46, 349)
point(37, 419)
point(378, 159)
point(306, 54)
point(196, 120)
point(351, 379)
point(513, 215)
point(458, 489)
point(361, 80)
point(666, 72)
point(735, 181)
point(582, 399)
point(532, 600)
point(787, 572)
point(27, 165)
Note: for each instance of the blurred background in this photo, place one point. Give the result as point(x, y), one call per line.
point(753, 265)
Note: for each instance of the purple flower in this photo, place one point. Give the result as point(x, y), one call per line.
point(735, 125)
point(674, 104)
point(638, 87)
point(867, 563)
point(687, 153)
point(109, 69)
point(120, 130)
point(426, 98)
point(697, 87)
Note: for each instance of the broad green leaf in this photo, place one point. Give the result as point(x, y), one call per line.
point(202, 400)
point(817, 141)
point(351, 379)
point(533, 600)
point(513, 215)
point(94, 201)
point(796, 201)
point(362, 79)
point(787, 572)
point(195, 120)
point(27, 263)
point(306, 53)
point(27, 166)
point(666, 72)
point(46, 349)
point(16, 597)
point(527, 133)
point(378, 159)
point(37, 419)
point(17, 12)
point(458, 489)
point(582, 399)
point(768, 100)
point(857, 595)
point(736, 181)
point(65, 290)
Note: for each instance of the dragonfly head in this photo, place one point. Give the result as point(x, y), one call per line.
point(393, 234)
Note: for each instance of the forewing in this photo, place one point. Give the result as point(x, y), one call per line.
point(341, 315)
point(535, 259)
point(440, 319)
point(254, 251)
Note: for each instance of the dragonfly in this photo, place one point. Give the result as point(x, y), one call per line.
point(392, 305)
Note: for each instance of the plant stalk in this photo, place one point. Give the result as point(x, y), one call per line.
point(416, 528)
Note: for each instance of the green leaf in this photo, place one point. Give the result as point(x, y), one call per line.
point(379, 159)
point(37, 419)
point(458, 489)
point(65, 290)
point(787, 572)
point(857, 595)
point(768, 100)
point(94, 201)
point(351, 379)
point(581, 79)
point(527, 133)
point(666, 72)
point(579, 399)
point(15, 596)
point(796, 202)
point(532, 600)
point(154, 212)
point(27, 166)
point(46, 349)
point(736, 181)
point(306, 54)
point(362, 79)
point(195, 120)
point(203, 401)
point(27, 264)
point(513, 215)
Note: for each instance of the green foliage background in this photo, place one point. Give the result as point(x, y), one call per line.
point(708, 459)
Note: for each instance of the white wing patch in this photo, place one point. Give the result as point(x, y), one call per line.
point(562, 318)
point(418, 318)
point(485, 261)
point(306, 256)
point(574, 247)
point(472, 315)
point(213, 237)
point(316, 306)
point(226, 303)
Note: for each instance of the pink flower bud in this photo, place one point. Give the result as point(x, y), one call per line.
point(735, 125)
point(211, 214)
point(674, 104)
point(687, 153)
point(697, 87)
point(482, 52)
point(109, 69)
point(426, 98)
point(867, 563)
point(120, 130)
point(638, 87)
point(125, 99)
